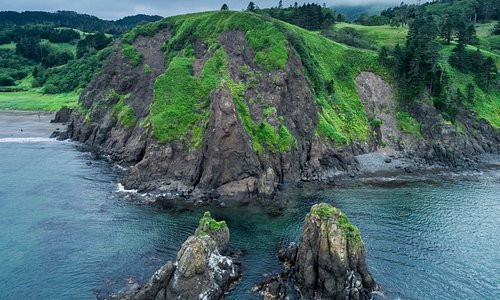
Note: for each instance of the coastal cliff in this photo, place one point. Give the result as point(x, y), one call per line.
point(231, 104)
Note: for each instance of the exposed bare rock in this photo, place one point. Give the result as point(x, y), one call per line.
point(328, 264)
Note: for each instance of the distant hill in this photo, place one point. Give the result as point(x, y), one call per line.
point(72, 19)
point(353, 12)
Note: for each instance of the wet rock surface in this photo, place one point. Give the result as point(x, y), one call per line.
point(200, 271)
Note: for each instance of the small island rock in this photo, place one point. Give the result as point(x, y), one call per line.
point(331, 260)
point(200, 271)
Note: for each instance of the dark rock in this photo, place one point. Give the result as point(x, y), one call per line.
point(388, 160)
point(410, 169)
point(55, 134)
point(63, 115)
point(289, 254)
point(331, 257)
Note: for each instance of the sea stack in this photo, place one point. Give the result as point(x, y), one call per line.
point(201, 270)
point(331, 260)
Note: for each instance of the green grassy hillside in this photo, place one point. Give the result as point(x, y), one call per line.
point(379, 36)
point(331, 68)
point(486, 104)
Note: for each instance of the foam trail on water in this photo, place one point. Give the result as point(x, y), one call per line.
point(121, 189)
point(26, 140)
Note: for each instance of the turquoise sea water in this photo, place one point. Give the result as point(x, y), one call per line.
point(65, 233)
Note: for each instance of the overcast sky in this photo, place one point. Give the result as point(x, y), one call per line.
point(115, 9)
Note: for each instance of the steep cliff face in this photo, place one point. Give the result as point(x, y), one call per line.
point(233, 104)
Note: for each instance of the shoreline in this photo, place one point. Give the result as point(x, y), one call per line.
point(27, 124)
point(375, 169)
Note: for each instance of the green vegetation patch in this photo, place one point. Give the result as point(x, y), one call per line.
point(330, 213)
point(332, 68)
point(130, 52)
point(485, 103)
point(408, 124)
point(123, 112)
point(376, 122)
point(180, 110)
point(32, 100)
point(379, 36)
point(208, 224)
point(269, 43)
point(147, 69)
point(262, 133)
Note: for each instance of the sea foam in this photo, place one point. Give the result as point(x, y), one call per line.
point(26, 140)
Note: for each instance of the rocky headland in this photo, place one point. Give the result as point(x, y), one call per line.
point(197, 107)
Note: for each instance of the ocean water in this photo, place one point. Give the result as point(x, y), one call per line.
point(66, 233)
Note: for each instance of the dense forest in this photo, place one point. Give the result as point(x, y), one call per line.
point(72, 19)
point(55, 52)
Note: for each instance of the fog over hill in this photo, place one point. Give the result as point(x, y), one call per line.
point(107, 9)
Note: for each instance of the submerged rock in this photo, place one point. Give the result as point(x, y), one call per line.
point(200, 270)
point(331, 260)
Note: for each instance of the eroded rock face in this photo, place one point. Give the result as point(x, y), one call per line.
point(62, 115)
point(200, 270)
point(331, 258)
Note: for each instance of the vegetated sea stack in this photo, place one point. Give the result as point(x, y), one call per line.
point(331, 260)
point(201, 271)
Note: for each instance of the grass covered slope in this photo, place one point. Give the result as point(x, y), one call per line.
point(486, 104)
point(333, 71)
point(36, 101)
point(180, 110)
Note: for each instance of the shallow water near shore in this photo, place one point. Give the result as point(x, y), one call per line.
point(67, 234)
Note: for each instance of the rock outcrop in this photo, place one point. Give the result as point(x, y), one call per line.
point(201, 270)
point(331, 260)
point(63, 115)
point(328, 264)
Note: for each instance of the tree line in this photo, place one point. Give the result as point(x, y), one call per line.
point(419, 72)
point(310, 16)
point(83, 22)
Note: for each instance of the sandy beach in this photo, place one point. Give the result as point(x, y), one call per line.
point(26, 124)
